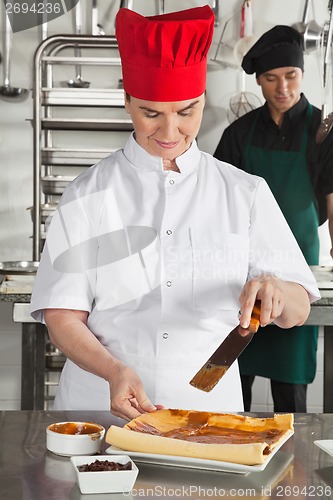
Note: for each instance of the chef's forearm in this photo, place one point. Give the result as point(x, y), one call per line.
point(68, 331)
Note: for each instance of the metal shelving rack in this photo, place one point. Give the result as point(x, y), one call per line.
point(54, 110)
point(59, 110)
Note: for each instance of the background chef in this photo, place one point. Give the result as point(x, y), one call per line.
point(154, 250)
point(278, 142)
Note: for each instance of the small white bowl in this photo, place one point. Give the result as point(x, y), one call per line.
point(74, 438)
point(121, 481)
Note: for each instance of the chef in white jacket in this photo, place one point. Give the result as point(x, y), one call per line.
point(153, 252)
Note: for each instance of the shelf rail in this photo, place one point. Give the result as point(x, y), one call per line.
point(48, 54)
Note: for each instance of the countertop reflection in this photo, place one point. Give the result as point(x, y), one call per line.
point(28, 471)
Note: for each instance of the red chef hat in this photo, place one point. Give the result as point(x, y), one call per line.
point(164, 57)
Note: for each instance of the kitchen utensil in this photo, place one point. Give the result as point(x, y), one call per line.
point(325, 43)
point(8, 92)
point(160, 6)
point(221, 360)
point(54, 358)
point(216, 8)
point(44, 27)
point(311, 31)
point(246, 28)
point(312, 36)
point(327, 58)
point(324, 128)
point(78, 82)
point(56, 184)
point(305, 11)
point(127, 4)
point(300, 26)
point(18, 267)
point(46, 211)
point(242, 102)
point(96, 27)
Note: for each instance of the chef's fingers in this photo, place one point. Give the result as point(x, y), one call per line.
point(272, 301)
point(277, 307)
point(144, 403)
point(124, 410)
point(128, 398)
point(141, 409)
point(266, 307)
point(247, 300)
point(127, 409)
point(137, 405)
point(266, 289)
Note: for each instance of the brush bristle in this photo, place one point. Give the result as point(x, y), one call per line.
point(208, 376)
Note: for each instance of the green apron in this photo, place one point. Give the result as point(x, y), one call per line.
point(286, 355)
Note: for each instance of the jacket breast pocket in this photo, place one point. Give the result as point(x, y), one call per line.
point(220, 269)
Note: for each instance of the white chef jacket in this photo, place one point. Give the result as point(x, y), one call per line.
point(158, 259)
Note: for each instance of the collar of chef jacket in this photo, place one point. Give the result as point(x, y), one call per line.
point(292, 114)
point(187, 163)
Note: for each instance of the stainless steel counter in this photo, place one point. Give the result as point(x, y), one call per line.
point(28, 471)
point(322, 314)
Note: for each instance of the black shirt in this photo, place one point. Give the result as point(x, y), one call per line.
point(268, 135)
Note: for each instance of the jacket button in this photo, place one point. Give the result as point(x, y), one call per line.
point(168, 283)
point(171, 182)
point(165, 335)
point(169, 232)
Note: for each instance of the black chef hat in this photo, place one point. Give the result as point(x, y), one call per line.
point(277, 48)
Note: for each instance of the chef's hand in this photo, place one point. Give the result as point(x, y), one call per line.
point(128, 397)
point(284, 302)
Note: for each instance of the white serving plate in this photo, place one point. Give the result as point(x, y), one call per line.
point(326, 445)
point(197, 463)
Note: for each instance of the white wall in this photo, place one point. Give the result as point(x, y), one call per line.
point(16, 139)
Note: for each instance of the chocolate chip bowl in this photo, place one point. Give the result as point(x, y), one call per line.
point(104, 475)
